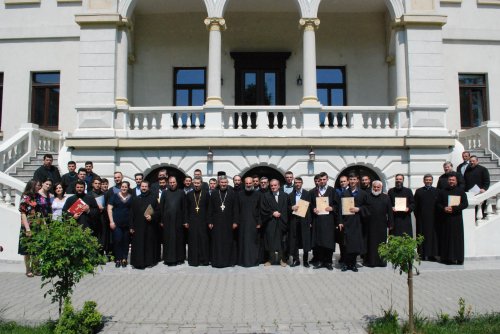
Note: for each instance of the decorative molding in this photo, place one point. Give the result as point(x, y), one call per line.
point(420, 20)
point(215, 23)
point(66, 1)
point(451, 1)
point(311, 23)
point(21, 2)
point(93, 19)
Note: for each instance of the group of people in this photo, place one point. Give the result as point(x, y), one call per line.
point(254, 221)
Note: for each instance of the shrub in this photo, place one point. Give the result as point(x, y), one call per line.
point(86, 321)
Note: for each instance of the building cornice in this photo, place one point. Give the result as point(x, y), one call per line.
point(99, 19)
point(420, 20)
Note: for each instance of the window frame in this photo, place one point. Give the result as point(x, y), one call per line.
point(330, 86)
point(47, 87)
point(471, 87)
point(190, 87)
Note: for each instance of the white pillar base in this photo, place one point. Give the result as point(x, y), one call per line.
point(310, 101)
point(214, 101)
point(121, 101)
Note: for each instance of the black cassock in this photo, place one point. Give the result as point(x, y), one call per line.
point(172, 206)
point(353, 224)
point(376, 225)
point(323, 226)
point(196, 215)
point(300, 228)
point(402, 220)
point(275, 228)
point(443, 181)
point(222, 215)
point(89, 219)
point(451, 243)
point(145, 252)
point(425, 216)
point(248, 218)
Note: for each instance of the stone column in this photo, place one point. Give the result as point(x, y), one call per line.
point(401, 81)
point(215, 25)
point(310, 94)
point(122, 65)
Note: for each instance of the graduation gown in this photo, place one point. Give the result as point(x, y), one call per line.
point(451, 244)
point(99, 219)
point(425, 216)
point(443, 181)
point(353, 224)
point(222, 215)
point(275, 229)
point(173, 206)
point(402, 220)
point(323, 226)
point(86, 219)
point(376, 224)
point(478, 175)
point(300, 228)
point(248, 218)
point(198, 241)
point(145, 253)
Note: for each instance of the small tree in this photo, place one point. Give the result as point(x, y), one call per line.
point(402, 253)
point(63, 253)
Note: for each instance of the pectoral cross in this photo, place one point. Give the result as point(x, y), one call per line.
point(222, 207)
point(197, 209)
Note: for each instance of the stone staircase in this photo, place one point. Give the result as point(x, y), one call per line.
point(25, 173)
point(487, 160)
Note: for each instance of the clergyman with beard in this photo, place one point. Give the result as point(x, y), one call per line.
point(402, 212)
point(377, 224)
point(88, 217)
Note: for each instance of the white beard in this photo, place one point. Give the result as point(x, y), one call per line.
point(376, 193)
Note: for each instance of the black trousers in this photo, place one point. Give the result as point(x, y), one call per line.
point(324, 255)
point(350, 259)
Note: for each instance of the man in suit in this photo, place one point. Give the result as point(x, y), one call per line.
point(274, 212)
point(463, 166)
point(477, 175)
point(300, 227)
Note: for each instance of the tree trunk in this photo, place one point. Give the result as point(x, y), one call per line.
point(60, 306)
point(410, 299)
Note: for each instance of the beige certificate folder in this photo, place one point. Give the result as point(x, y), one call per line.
point(149, 211)
point(453, 200)
point(347, 203)
point(321, 205)
point(400, 203)
point(302, 208)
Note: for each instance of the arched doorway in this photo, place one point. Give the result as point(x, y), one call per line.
point(266, 171)
point(359, 170)
point(172, 171)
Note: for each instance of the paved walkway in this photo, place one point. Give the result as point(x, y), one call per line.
point(256, 300)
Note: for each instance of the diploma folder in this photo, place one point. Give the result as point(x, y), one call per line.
point(454, 200)
point(321, 205)
point(77, 207)
point(302, 208)
point(347, 203)
point(400, 204)
point(149, 211)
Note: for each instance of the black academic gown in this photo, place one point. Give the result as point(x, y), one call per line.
point(144, 253)
point(376, 224)
point(402, 220)
point(173, 206)
point(198, 240)
point(323, 226)
point(86, 219)
point(353, 224)
point(478, 175)
point(300, 228)
point(425, 216)
point(275, 228)
point(99, 228)
point(222, 215)
point(443, 181)
point(248, 218)
point(451, 243)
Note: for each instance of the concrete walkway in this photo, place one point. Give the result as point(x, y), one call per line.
point(185, 299)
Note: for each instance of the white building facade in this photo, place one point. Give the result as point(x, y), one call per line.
point(238, 85)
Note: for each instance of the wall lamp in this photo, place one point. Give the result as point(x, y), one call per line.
point(210, 155)
point(312, 155)
point(299, 80)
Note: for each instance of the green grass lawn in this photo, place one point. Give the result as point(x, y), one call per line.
point(13, 328)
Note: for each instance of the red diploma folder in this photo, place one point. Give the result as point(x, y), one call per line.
point(77, 207)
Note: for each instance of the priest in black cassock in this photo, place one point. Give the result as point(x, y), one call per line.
point(172, 207)
point(425, 215)
point(402, 218)
point(443, 179)
point(451, 202)
point(300, 227)
point(222, 224)
point(88, 218)
point(249, 223)
point(352, 223)
point(274, 211)
point(324, 222)
point(376, 224)
point(144, 220)
point(196, 221)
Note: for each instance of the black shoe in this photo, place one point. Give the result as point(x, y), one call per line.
point(306, 264)
point(354, 268)
point(318, 265)
point(117, 264)
point(124, 264)
point(180, 262)
point(295, 263)
point(344, 268)
point(329, 266)
point(314, 263)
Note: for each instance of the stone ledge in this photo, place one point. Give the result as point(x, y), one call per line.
point(422, 20)
point(21, 2)
point(92, 19)
point(489, 2)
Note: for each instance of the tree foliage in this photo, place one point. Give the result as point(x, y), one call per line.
point(401, 252)
point(63, 253)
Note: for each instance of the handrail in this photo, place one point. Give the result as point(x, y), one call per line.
point(7, 184)
point(494, 142)
point(492, 191)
